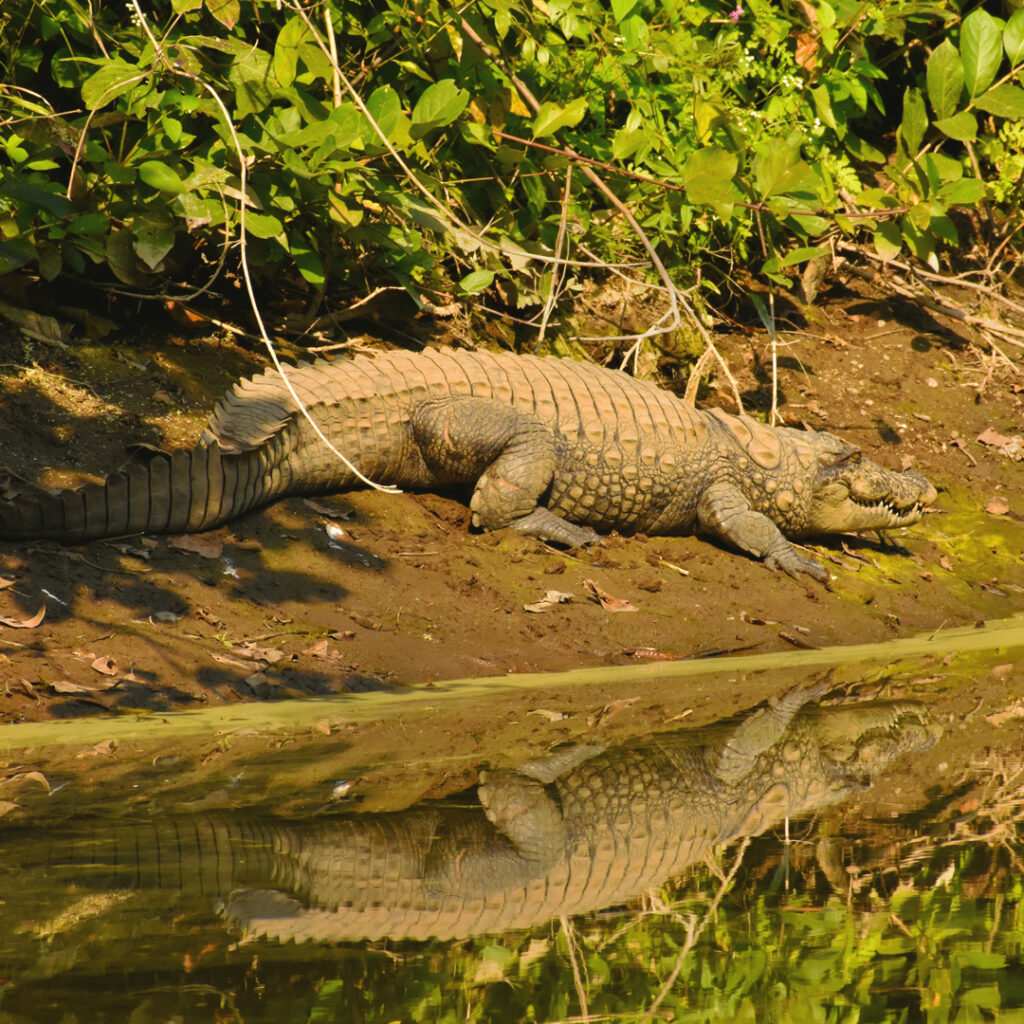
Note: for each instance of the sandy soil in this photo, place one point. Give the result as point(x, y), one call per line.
point(272, 607)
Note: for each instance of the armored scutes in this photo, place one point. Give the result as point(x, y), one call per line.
point(554, 448)
point(579, 830)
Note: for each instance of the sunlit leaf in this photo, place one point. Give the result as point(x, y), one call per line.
point(158, 175)
point(981, 49)
point(551, 117)
point(1003, 100)
point(439, 104)
point(945, 79)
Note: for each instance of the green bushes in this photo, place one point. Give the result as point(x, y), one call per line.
point(747, 135)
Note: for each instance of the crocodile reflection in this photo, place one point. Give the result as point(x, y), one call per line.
point(576, 831)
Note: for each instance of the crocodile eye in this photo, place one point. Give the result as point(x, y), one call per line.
point(848, 455)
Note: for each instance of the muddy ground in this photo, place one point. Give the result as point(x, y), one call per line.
point(271, 607)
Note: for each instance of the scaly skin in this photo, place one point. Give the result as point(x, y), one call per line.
point(555, 448)
point(573, 832)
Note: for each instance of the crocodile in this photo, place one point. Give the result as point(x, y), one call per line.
point(580, 829)
point(554, 448)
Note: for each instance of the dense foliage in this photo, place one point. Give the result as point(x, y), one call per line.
point(396, 140)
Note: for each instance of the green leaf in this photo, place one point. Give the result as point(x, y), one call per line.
point(707, 176)
point(476, 281)
point(113, 79)
point(621, 9)
point(777, 167)
point(945, 79)
point(636, 33)
point(965, 192)
point(803, 255)
point(628, 141)
point(158, 175)
point(225, 11)
point(153, 240)
point(981, 49)
point(1013, 37)
point(307, 260)
point(439, 104)
point(915, 120)
point(286, 50)
point(1004, 100)
point(385, 108)
point(262, 225)
point(888, 242)
point(963, 126)
point(26, 192)
point(551, 117)
point(249, 75)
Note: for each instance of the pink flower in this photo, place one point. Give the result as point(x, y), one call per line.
point(736, 14)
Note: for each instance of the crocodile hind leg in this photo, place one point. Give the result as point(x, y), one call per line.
point(509, 454)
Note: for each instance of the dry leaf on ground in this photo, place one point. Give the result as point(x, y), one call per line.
point(105, 666)
point(552, 599)
point(608, 710)
point(105, 748)
point(198, 544)
point(607, 602)
point(327, 510)
point(29, 623)
point(1010, 447)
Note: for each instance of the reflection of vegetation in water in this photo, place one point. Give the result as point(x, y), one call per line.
point(936, 938)
point(932, 953)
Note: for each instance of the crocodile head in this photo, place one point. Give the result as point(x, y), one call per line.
point(825, 755)
point(810, 482)
point(850, 492)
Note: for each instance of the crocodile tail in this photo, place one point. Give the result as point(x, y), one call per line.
point(167, 492)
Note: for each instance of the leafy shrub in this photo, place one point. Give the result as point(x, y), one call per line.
point(746, 135)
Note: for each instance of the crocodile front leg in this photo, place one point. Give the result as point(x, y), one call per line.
point(724, 511)
point(508, 454)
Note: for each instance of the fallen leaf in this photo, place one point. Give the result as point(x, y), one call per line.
point(106, 666)
point(66, 686)
point(607, 602)
point(105, 748)
point(198, 544)
point(550, 600)
point(551, 716)
point(1010, 447)
point(1002, 717)
point(165, 616)
point(649, 652)
point(5, 583)
point(946, 563)
point(997, 506)
point(26, 776)
point(361, 620)
point(30, 623)
point(223, 659)
point(608, 710)
point(268, 654)
point(327, 510)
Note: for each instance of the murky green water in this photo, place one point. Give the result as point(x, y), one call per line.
point(754, 871)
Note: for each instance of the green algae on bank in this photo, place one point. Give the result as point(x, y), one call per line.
point(1007, 634)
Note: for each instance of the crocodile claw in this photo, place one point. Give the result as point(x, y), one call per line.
point(791, 562)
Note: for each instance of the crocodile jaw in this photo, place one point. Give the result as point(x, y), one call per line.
point(866, 496)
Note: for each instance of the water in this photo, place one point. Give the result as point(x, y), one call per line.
point(784, 865)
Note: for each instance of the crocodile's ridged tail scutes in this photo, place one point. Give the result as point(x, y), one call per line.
point(176, 492)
